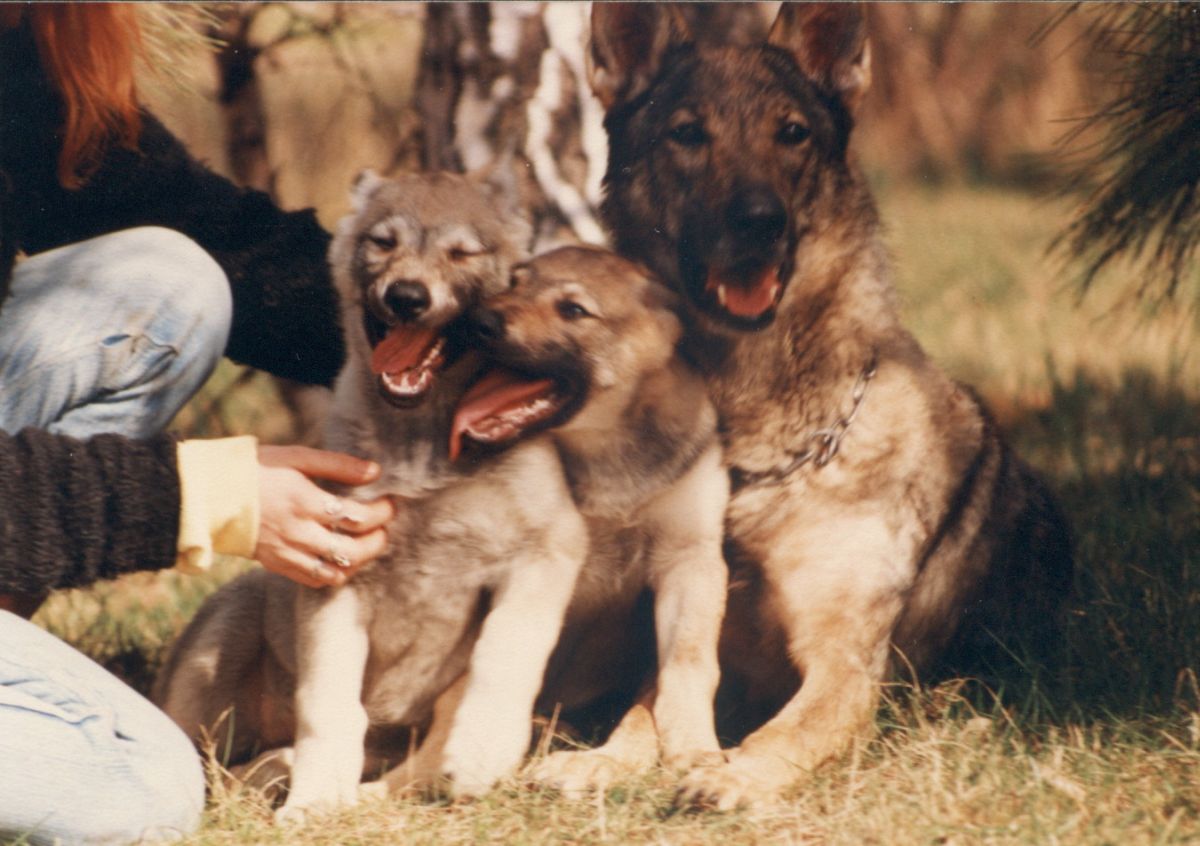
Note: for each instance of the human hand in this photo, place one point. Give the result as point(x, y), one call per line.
point(308, 534)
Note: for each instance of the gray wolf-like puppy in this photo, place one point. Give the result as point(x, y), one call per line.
point(876, 516)
point(483, 558)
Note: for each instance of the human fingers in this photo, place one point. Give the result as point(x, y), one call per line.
point(355, 517)
point(321, 464)
point(305, 569)
point(349, 552)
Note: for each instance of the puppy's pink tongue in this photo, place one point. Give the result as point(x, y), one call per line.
point(401, 349)
point(482, 409)
point(746, 301)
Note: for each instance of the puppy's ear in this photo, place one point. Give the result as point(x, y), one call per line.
point(664, 304)
point(829, 42)
point(501, 180)
point(628, 43)
point(363, 186)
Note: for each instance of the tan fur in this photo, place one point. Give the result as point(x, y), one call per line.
point(728, 166)
point(643, 465)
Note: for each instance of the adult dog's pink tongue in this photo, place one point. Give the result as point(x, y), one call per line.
point(401, 349)
point(497, 393)
point(742, 300)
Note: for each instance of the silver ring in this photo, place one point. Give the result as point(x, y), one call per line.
point(337, 558)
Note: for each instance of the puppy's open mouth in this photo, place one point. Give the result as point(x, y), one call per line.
point(406, 360)
point(505, 404)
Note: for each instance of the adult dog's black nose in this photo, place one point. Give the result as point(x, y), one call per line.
point(485, 324)
point(406, 299)
point(757, 213)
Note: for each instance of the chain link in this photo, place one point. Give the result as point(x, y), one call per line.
point(820, 446)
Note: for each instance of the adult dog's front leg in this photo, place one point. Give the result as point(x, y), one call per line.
point(493, 724)
point(839, 602)
point(331, 651)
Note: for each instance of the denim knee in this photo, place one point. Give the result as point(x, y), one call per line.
point(84, 758)
point(186, 288)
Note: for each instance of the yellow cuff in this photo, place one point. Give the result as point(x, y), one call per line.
point(218, 501)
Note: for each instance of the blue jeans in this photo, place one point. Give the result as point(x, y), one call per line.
point(113, 334)
point(83, 757)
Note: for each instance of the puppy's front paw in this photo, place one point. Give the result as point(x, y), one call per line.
point(474, 761)
point(724, 787)
point(372, 791)
point(576, 774)
point(691, 759)
point(270, 773)
point(319, 790)
point(291, 815)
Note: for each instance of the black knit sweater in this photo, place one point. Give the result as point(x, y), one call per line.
point(284, 304)
point(72, 512)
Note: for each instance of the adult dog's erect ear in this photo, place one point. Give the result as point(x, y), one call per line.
point(829, 41)
point(628, 43)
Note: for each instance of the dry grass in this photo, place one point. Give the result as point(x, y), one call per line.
point(1103, 747)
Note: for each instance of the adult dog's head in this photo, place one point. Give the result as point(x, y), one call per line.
point(567, 345)
point(415, 253)
point(725, 163)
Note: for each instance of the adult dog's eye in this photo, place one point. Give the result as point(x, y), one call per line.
point(792, 133)
point(571, 310)
point(690, 134)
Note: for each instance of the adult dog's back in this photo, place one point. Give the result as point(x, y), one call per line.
point(874, 502)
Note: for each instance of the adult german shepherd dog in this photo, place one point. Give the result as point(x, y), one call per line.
point(877, 520)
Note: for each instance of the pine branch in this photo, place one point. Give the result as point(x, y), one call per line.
point(1140, 183)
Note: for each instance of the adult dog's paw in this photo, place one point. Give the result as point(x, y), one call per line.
point(576, 774)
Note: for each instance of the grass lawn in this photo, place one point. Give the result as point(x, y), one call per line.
point(1104, 397)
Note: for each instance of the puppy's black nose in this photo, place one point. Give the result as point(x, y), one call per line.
point(406, 299)
point(486, 324)
point(757, 213)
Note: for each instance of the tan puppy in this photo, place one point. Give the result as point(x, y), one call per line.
point(583, 348)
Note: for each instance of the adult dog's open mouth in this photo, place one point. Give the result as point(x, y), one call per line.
point(744, 299)
point(504, 405)
point(406, 360)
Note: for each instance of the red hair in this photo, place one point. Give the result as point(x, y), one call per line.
point(89, 51)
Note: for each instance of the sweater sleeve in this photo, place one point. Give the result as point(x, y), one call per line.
point(73, 512)
point(218, 483)
point(285, 307)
